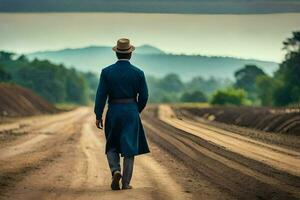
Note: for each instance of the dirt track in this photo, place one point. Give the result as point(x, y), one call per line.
point(62, 157)
point(240, 166)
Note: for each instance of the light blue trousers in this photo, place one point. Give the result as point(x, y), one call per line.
point(113, 158)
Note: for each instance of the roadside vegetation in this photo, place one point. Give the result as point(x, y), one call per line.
point(171, 89)
point(281, 89)
point(55, 83)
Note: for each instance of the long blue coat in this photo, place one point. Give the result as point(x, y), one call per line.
point(123, 127)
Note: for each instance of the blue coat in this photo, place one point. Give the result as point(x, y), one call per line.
point(123, 127)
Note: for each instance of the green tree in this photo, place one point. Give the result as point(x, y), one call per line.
point(229, 96)
point(4, 76)
point(292, 44)
point(265, 89)
point(168, 98)
point(6, 56)
point(208, 86)
point(56, 83)
point(246, 78)
point(45, 79)
point(196, 96)
point(75, 83)
point(171, 83)
point(22, 58)
point(288, 91)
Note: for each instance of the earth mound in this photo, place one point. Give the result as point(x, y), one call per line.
point(17, 101)
point(278, 120)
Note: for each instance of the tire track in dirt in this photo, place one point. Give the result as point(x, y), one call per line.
point(44, 134)
point(28, 128)
point(228, 170)
point(268, 154)
point(26, 155)
point(262, 167)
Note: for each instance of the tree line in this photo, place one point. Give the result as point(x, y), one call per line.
point(55, 83)
point(254, 87)
point(171, 89)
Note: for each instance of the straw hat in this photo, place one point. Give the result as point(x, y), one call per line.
point(123, 46)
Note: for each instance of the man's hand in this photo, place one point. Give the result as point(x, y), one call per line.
point(99, 123)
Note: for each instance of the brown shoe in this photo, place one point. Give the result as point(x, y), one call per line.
point(126, 187)
point(115, 183)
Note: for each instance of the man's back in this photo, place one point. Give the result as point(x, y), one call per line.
point(120, 81)
point(124, 80)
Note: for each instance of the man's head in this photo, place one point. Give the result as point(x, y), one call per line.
point(123, 49)
point(123, 55)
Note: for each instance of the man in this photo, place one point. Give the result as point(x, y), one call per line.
point(125, 87)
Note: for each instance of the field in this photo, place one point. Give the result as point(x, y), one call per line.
point(61, 156)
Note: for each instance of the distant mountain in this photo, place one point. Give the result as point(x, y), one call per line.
point(153, 61)
point(148, 49)
point(153, 6)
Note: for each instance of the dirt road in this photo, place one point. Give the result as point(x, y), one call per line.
point(62, 157)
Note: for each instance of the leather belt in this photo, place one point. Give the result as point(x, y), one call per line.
point(125, 100)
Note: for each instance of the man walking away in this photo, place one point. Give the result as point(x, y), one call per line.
point(125, 87)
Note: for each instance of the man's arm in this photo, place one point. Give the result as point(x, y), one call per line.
point(143, 93)
point(101, 97)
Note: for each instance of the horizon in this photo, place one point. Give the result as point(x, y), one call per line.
point(152, 46)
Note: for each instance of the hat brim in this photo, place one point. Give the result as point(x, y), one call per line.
point(131, 49)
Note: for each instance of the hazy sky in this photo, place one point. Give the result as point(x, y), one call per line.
point(246, 36)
